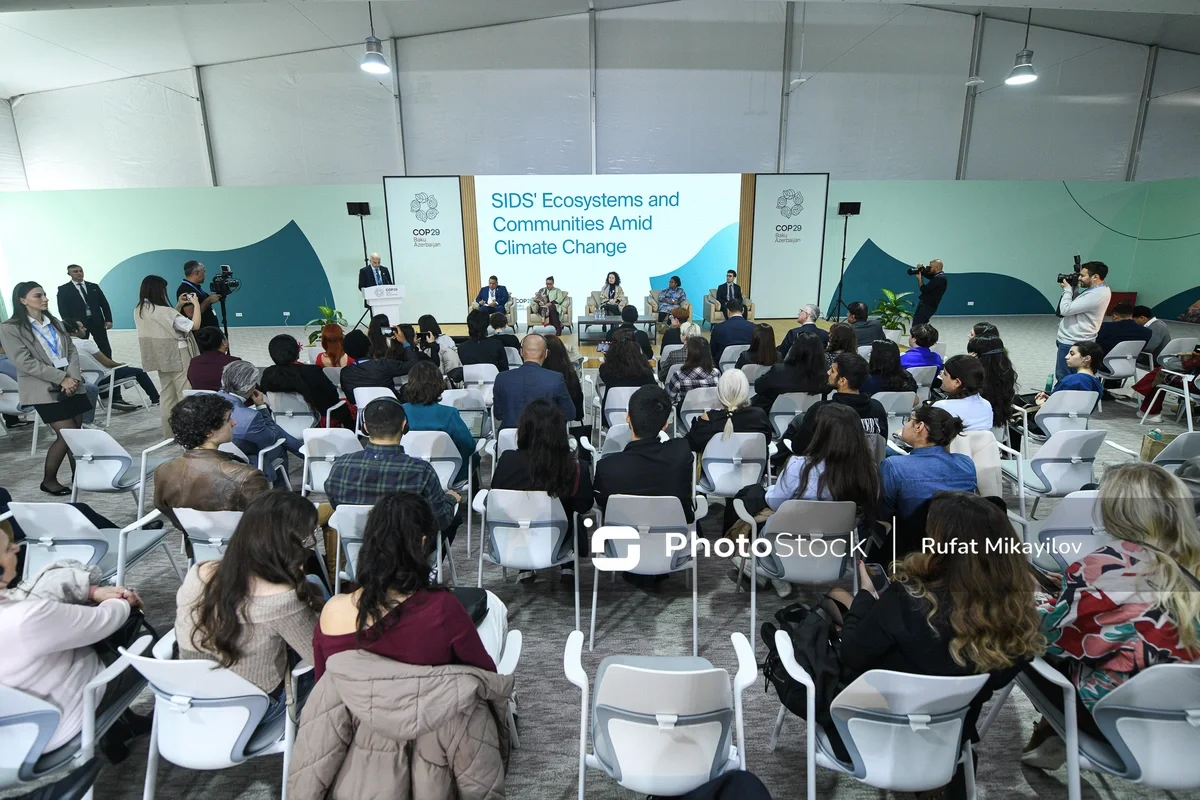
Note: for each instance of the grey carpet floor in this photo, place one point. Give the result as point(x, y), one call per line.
point(631, 621)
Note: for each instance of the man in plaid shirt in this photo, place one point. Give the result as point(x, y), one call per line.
point(382, 467)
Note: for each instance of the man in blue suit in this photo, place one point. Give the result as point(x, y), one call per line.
point(515, 388)
point(735, 330)
point(492, 297)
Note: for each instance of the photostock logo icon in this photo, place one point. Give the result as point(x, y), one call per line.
point(790, 203)
point(614, 533)
point(424, 207)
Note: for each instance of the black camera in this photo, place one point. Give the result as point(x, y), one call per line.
point(224, 283)
point(920, 269)
point(1072, 278)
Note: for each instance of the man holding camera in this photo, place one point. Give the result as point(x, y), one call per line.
point(193, 282)
point(1084, 302)
point(931, 291)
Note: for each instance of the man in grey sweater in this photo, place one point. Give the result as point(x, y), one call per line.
point(1159, 333)
point(1082, 309)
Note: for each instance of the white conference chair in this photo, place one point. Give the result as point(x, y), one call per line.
point(753, 372)
point(311, 354)
point(106, 379)
point(1151, 727)
point(261, 459)
point(27, 723)
point(1181, 449)
point(1188, 392)
point(1184, 344)
point(481, 378)
point(208, 531)
point(696, 402)
point(437, 448)
point(334, 374)
point(660, 523)
point(1068, 533)
point(207, 717)
point(514, 357)
point(898, 405)
point(787, 407)
point(661, 725)
point(924, 376)
point(103, 465)
point(903, 732)
point(729, 465)
point(349, 522)
point(1120, 364)
point(1068, 410)
point(364, 395)
point(864, 350)
point(616, 405)
point(194, 392)
point(730, 355)
point(10, 404)
point(982, 448)
point(941, 348)
point(471, 407)
point(1064, 464)
point(526, 531)
point(291, 412)
point(322, 446)
point(668, 349)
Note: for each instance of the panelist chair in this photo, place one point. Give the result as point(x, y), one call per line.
point(565, 311)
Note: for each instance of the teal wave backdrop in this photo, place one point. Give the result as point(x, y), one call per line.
point(705, 270)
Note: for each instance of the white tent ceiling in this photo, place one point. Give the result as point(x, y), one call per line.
point(80, 42)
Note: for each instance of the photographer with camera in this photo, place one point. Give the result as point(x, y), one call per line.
point(193, 283)
point(933, 285)
point(1084, 302)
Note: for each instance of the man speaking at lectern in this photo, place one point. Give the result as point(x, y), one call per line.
point(374, 274)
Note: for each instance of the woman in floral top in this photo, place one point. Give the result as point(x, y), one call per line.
point(697, 370)
point(1127, 606)
point(670, 298)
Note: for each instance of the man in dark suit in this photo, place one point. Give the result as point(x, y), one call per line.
point(728, 292)
point(1122, 328)
point(865, 330)
point(374, 274)
point(84, 301)
point(734, 330)
point(365, 372)
point(493, 297)
point(516, 387)
point(193, 281)
point(807, 317)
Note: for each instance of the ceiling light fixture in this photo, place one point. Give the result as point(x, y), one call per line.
point(1022, 71)
point(373, 61)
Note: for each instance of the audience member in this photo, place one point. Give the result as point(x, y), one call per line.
point(387, 341)
point(920, 339)
point(846, 377)
point(982, 329)
point(204, 478)
point(499, 330)
point(430, 344)
point(671, 299)
point(672, 335)
point(309, 381)
point(1126, 607)
point(247, 609)
point(842, 339)
point(122, 371)
point(1122, 328)
point(543, 462)
point(962, 381)
point(165, 341)
point(514, 389)
point(908, 481)
point(364, 371)
point(427, 323)
point(1082, 358)
point(807, 316)
point(254, 429)
point(999, 378)
point(697, 370)
point(884, 372)
point(802, 370)
point(736, 329)
point(1160, 334)
point(629, 316)
point(762, 348)
point(48, 375)
point(735, 415)
point(624, 365)
point(677, 356)
point(425, 413)
point(479, 348)
point(333, 351)
point(204, 370)
point(866, 330)
point(558, 359)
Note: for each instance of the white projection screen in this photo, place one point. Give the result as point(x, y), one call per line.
point(425, 235)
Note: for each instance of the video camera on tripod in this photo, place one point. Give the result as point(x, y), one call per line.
point(224, 283)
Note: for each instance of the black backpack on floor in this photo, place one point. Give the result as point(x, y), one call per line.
point(814, 639)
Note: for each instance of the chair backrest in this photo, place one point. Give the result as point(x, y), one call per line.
point(898, 406)
point(311, 354)
point(525, 530)
point(787, 407)
point(1065, 462)
point(618, 436)
point(471, 407)
point(1174, 347)
point(668, 349)
point(506, 439)
point(322, 446)
point(982, 448)
point(194, 392)
point(209, 531)
point(10, 397)
point(89, 365)
point(671, 372)
point(235, 451)
point(941, 348)
point(291, 412)
point(730, 355)
point(733, 463)
point(1121, 360)
point(878, 446)
point(655, 519)
point(696, 402)
point(514, 357)
point(753, 372)
point(1152, 720)
point(616, 403)
point(1183, 447)
point(438, 449)
point(904, 731)
point(478, 376)
point(812, 539)
point(27, 724)
point(1072, 530)
point(865, 351)
point(648, 716)
point(335, 376)
point(1067, 410)
point(924, 377)
point(57, 532)
point(350, 521)
point(100, 462)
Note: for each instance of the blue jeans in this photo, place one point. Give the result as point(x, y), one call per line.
point(1060, 362)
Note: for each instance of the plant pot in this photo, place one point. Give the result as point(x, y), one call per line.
point(896, 336)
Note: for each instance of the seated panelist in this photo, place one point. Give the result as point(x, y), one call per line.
point(492, 297)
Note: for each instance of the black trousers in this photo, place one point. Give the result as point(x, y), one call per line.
point(99, 334)
point(922, 315)
point(736, 785)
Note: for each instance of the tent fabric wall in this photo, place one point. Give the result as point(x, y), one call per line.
point(890, 107)
point(12, 170)
point(669, 98)
point(133, 133)
point(302, 119)
point(1171, 141)
point(510, 99)
point(1074, 123)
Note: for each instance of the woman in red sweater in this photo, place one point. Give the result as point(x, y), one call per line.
point(399, 612)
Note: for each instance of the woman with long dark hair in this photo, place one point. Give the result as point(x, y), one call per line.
point(427, 323)
point(962, 380)
point(762, 347)
point(884, 371)
point(697, 370)
point(439, 348)
point(543, 462)
point(624, 365)
point(908, 481)
point(842, 339)
point(247, 609)
point(612, 296)
point(803, 369)
point(165, 340)
point(559, 360)
point(308, 380)
point(381, 342)
point(398, 611)
point(999, 378)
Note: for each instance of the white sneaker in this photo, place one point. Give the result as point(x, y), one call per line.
point(782, 588)
point(1154, 418)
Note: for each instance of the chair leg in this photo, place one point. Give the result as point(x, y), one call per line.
point(778, 726)
point(171, 558)
point(151, 761)
point(439, 557)
point(37, 422)
point(453, 573)
point(576, 553)
point(479, 573)
point(1033, 511)
point(595, 601)
point(968, 762)
point(695, 610)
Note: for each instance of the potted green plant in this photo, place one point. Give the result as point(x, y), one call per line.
point(329, 316)
point(894, 313)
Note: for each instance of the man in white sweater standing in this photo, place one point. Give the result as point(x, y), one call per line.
point(1082, 309)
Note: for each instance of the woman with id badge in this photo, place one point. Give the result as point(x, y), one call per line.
point(166, 341)
point(47, 372)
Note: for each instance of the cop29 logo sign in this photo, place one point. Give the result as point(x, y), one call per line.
point(424, 207)
point(790, 203)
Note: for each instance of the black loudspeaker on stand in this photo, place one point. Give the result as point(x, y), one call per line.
point(845, 211)
point(361, 210)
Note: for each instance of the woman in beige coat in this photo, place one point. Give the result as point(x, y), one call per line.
point(166, 341)
point(48, 374)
